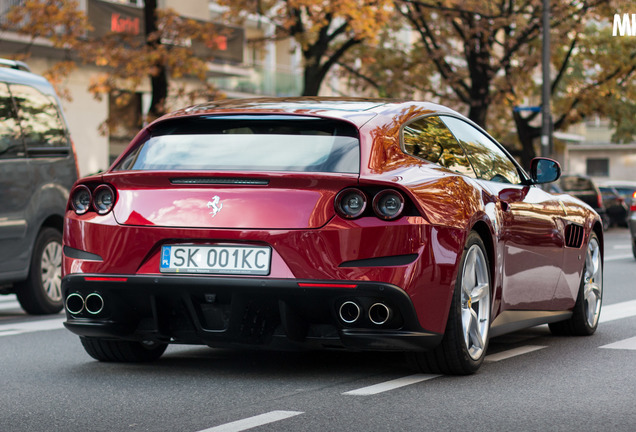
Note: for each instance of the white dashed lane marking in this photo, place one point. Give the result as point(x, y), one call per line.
point(390, 385)
point(31, 326)
point(9, 302)
point(618, 311)
point(619, 257)
point(626, 344)
point(504, 355)
point(252, 422)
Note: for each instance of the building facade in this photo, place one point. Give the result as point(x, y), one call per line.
point(238, 69)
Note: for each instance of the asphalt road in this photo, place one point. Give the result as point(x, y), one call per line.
point(532, 381)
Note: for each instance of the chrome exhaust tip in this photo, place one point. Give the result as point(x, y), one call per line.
point(349, 312)
point(94, 303)
point(74, 303)
point(379, 313)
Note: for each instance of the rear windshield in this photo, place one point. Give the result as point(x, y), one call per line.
point(576, 184)
point(248, 143)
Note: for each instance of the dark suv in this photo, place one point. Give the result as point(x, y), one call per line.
point(37, 170)
point(586, 190)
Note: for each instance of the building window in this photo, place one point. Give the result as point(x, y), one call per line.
point(598, 167)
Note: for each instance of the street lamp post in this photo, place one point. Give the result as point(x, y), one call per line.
point(546, 119)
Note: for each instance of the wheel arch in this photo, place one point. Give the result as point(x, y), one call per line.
point(53, 221)
point(483, 230)
point(597, 229)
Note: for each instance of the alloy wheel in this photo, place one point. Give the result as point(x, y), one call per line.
point(51, 266)
point(475, 302)
point(593, 282)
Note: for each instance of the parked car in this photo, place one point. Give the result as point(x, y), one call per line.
point(37, 171)
point(587, 191)
point(632, 222)
point(625, 189)
point(325, 223)
point(615, 206)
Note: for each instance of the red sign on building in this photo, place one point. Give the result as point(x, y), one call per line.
point(108, 17)
point(124, 24)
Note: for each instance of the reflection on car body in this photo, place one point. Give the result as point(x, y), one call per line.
point(375, 225)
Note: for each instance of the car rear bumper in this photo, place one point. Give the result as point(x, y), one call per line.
point(225, 311)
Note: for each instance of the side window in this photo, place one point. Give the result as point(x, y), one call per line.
point(11, 145)
point(428, 138)
point(489, 161)
point(43, 130)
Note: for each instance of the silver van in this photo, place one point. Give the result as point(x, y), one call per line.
point(37, 170)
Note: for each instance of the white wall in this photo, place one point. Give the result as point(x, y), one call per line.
point(84, 115)
point(622, 159)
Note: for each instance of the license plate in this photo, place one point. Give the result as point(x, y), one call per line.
point(248, 260)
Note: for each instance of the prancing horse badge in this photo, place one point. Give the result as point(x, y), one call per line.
point(215, 205)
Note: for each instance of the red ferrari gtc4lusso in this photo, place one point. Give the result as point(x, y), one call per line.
point(325, 223)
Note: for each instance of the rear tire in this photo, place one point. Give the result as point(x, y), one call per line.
point(587, 308)
point(465, 340)
point(122, 351)
point(41, 292)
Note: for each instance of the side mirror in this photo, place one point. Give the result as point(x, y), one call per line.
point(544, 170)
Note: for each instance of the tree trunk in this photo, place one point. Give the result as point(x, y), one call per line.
point(478, 112)
point(313, 80)
point(526, 134)
point(158, 79)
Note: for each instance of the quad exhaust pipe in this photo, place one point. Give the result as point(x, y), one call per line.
point(76, 304)
point(379, 313)
point(94, 303)
point(350, 312)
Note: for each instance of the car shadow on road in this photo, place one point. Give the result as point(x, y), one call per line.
point(255, 364)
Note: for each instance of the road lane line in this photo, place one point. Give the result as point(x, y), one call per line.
point(10, 306)
point(625, 344)
point(512, 353)
point(390, 385)
point(31, 326)
point(618, 258)
point(617, 311)
point(252, 422)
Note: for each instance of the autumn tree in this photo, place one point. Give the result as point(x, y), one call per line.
point(387, 69)
point(483, 58)
point(60, 22)
point(593, 74)
point(324, 30)
point(162, 53)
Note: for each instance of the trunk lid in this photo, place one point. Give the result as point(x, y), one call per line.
point(227, 201)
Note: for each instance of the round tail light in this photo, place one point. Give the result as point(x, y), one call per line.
point(388, 204)
point(81, 199)
point(103, 199)
point(351, 203)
